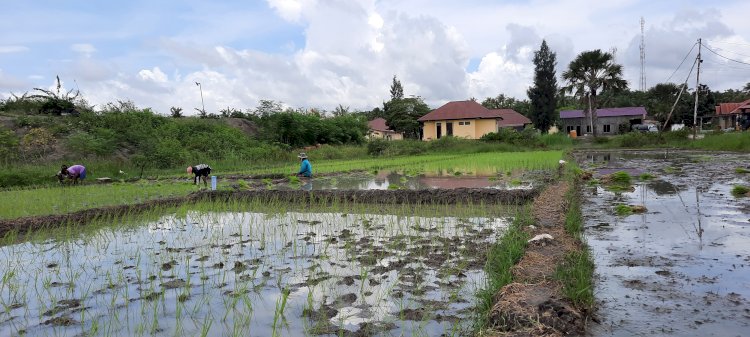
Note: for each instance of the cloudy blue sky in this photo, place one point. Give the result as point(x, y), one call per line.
point(322, 53)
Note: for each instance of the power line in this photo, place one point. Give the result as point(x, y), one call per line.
point(734, 43)
point(683, 61)
point(722, 56)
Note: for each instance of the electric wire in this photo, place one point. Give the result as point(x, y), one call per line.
point(722, 56)
point(683, 61)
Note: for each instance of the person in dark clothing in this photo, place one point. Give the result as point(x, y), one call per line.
point(200, 171)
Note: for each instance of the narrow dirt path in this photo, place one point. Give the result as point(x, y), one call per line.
point(533, 305)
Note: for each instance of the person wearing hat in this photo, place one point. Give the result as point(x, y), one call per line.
point(200, 170)
point(305, 169)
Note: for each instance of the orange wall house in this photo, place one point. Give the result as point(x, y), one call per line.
point(468, 119)
point(379, 130)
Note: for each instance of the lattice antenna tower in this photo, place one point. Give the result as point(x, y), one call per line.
point(643, 57)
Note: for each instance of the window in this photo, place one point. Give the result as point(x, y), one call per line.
point(460, 123)
point(607, 128)
point(569, 128)
point(467, 123)
point(588, 128)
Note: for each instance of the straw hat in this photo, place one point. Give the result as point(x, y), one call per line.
point(302, 155)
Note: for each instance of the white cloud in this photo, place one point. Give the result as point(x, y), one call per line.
point(290, 10)
point(83, 48)
point(153, 75)
point(13, 49)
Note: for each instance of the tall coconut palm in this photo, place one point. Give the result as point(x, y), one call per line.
point(590, 73)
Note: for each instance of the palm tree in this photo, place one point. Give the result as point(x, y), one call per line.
point(746, 89)
point(588, 74)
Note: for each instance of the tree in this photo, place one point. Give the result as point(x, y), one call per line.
point(397, 91)
point(543, 93)
point(506, 102)
point(590, 72)
point(55, 102)
point(176, 112)
point(401, 115)
point(746, 88)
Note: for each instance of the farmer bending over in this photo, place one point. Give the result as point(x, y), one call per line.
point(74, 173)
point(305, 169)
point(200, 170)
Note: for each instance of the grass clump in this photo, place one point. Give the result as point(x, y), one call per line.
point(576, 274)
point(623, 210)
point(741, 170)
point(619, 181)
point(646, 176)
point(740, 191)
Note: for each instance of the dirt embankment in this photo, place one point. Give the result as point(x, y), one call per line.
point(533, 305)
point(433, 196)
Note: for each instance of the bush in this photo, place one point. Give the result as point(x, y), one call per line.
point(377, 147)
point(640, 139)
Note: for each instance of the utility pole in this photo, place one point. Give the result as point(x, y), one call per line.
point(204, 105)
point(643, 57)
point(697, 91)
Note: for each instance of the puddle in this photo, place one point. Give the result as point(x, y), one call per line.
point(683, 267)
point(385, 180)
point(252, 274)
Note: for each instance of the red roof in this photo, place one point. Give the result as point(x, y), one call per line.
point(511, 118)
point(459, 110)
point(731, 108)
point(378, 124)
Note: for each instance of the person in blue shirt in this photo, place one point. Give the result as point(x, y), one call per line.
point(305, 169)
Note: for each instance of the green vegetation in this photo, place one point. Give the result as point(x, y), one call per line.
point(646, 176)
point(59, 200)
point(577, 271)
point(501, 257)
point(741, 170)
point(543, 94)
point(619, 181)
point(623, 210)
point(740, 191)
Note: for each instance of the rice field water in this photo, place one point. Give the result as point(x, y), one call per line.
point(252, 269)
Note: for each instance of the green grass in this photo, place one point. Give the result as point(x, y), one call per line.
point(58, 200)
point(741, 170)
point(646, 176)
point(623, 210)
point(481, 163)
point(577, 271)
point(740, 191)
point(501, 257)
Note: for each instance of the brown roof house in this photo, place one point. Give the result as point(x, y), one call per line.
point(379, 130)
point(468, 119)
point(733, 115)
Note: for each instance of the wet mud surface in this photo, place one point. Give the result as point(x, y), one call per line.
point(252, 274)
point(434, 196)
point(682, 266)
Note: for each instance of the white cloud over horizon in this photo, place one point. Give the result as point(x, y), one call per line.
point(324, 53)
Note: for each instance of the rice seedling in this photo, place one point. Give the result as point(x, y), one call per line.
point(739, 191)
point(198, 249)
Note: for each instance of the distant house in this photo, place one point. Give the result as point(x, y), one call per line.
point(468, 119)
point(733, 115)
point(608, 119)
point(379, 130)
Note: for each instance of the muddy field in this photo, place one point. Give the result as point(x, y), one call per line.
point(681, 265)
point(251, 274)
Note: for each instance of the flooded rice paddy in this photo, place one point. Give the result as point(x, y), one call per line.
point(447, 179)
point(251, 274)
point(681, 268)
